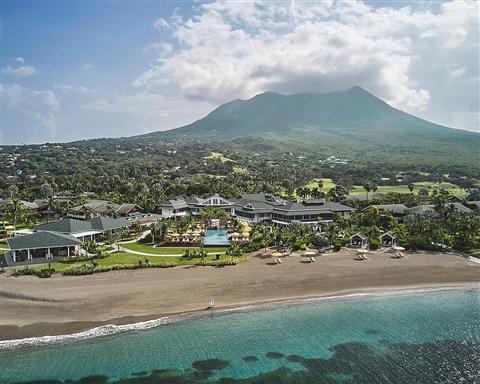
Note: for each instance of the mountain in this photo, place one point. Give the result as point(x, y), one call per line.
point(353, 119)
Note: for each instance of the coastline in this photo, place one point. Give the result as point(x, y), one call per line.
point(335, 276)
point(54, 333)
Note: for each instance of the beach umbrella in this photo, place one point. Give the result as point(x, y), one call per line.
point(235, 234)
point(245, 234)
point(276, 254)
point(175, 234)
point(362, 250)
point(398, 248)
point(309, 252)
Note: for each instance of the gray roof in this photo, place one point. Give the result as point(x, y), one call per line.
point(424, 209)
point(175, 204)
point(475, 204)
point(270, 203)
point(42, 239)
point(66, 226)
point(107, 223)
point(395, 208)
point(126, 208)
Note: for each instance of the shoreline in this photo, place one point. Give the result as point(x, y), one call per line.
point(32, 307)
point(53, 333)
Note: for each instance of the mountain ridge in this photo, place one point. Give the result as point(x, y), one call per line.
point(352, 118)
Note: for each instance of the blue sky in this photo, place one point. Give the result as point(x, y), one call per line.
point(82, 69)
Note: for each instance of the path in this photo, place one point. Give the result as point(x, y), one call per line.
point(122, 249)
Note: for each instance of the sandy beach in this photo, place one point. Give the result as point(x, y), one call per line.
point(30, 306)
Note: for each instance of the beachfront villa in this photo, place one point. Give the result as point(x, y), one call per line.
point(259, 207)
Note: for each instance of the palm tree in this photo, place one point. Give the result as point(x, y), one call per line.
point(51, 206)
point(367, 186)
point(15, 212)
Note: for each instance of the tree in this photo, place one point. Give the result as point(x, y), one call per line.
point(411, 186)
point(51, 206)
point(367, 186)
point(16, 212)
point(46, 190)
point(234, 251)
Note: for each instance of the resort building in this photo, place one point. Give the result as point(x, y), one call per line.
point(93, 208)
point(85, 229)
point(4, 203)
point(429, 209)
point(41, 246)
point(258, 207)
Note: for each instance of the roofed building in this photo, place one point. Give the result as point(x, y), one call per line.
point(394, 209)
point(42, 245)
point(95, 208)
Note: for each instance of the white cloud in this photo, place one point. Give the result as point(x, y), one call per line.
point(231, 50)
point(78, 90)
point(161, 23)
point(21, 70)
point(39, 106)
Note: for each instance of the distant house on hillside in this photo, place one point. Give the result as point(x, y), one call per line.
point(429, 209)
point(4, 203)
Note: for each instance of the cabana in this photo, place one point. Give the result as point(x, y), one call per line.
point(358, 240)
point(388, 239)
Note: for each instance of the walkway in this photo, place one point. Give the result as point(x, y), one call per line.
point(122, 249)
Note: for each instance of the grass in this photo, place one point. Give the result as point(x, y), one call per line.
point(129, 258)
point(239, 170)
point(402, 188)
point(148, 248)
point(218, 156)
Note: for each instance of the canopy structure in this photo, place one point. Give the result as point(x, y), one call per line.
point(42, 244)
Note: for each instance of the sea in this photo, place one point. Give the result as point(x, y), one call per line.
point(419, 336)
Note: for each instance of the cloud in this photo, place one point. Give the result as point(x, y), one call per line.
point(37, 108)
point(78, 90)
point(229, 50)
point(151, 111)
point(21, 70)
point(161, 23)
point(86, 67)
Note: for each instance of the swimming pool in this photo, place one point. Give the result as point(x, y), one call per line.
point(216, 237)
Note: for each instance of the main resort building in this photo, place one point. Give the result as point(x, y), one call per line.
point(258, 207)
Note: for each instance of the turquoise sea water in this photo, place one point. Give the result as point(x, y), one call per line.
point(414, 337)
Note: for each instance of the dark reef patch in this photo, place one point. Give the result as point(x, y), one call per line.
point(210, 365)
point(250, 359)
point(445, 362)
point(275, 355)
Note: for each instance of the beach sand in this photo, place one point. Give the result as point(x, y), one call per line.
point(30, 306)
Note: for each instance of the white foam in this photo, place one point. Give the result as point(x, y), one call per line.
point(108, 330)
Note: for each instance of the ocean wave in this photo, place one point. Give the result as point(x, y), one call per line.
point(111, 329)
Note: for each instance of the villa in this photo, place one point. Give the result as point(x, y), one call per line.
point(258, 207)
point(103, 208)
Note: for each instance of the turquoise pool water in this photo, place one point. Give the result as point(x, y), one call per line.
point(421, 338)
point(215, 237)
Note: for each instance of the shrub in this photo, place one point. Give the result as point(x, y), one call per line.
point(43, 273)
point(216, 263)
point(85, 269)
point(337, 245)
point(374, 243)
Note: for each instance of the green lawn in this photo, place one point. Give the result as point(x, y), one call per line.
point(219, 156)
point(403, 188)
point(129, 258)
point(148, 248)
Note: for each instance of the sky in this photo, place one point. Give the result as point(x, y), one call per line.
point(85, 69)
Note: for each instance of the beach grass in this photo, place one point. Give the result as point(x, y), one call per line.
point(148, 248)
